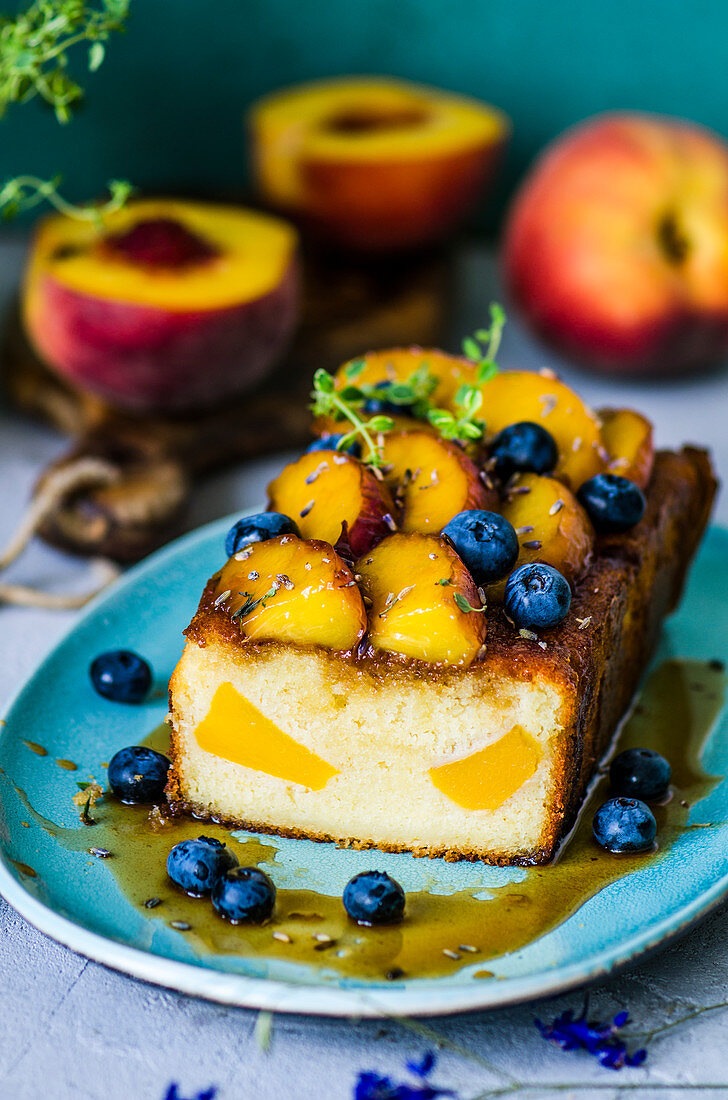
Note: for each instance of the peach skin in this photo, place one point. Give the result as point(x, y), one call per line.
point(375, 163)
point(615, 247)
point(173, 306)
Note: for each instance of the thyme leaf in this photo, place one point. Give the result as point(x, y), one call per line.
point(465, 605)
point(35, 45)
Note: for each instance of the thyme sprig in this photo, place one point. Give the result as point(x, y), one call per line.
point(345, 404)
point(25, 192)
point(35, 44)
point(461, 422)
point(412, 395)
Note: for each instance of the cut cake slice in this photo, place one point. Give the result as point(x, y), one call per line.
point(486, 762)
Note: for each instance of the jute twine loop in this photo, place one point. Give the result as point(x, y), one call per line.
point(57, 485)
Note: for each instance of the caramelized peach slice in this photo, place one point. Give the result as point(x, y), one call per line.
point(432, 480)
point(292, 590)
point(512, 396)
point(627, 437)
point(323, 490)
point(551, 526)
point(419, 593)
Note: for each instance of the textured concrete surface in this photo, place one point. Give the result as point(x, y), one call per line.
point(70, 1028)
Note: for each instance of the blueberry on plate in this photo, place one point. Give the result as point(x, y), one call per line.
point(265, 525)
point(244, 894)
point(331, 443)
point(536, 596)
point(375, 406)
point(624, 825)
point(138, 774)
point(196, 865)
point(486, 543)
point(640, 773)
point(121, 675)
point(372, 897)
point(522, 447)
point(613, 503)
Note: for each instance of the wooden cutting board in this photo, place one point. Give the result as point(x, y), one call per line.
point(147, 465)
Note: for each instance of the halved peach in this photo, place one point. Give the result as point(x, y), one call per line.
point(423, 601)
point(628, 440)
point(375, 163)
point(325, 490)
point(292, 590)
point(432, 480)
point(513, 396)
point(175, 305)
point(551, 526)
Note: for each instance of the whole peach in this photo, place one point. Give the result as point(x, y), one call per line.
point(616, 246)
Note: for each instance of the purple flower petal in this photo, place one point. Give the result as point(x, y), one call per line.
point(425, 1066)
point(599, 1040)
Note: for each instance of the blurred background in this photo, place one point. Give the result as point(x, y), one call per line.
point(398, 225)
point(165, 109)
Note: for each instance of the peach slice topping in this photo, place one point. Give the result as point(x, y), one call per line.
point(398, 365)
point(292, 590)
point(418, 589)
point(512, 396)
point(238, 731)
point(323, 490)
point(432, 480)
point(551, 526)
point(627, 437)
point(487, 778)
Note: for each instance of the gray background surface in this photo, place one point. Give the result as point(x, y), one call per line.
point(72, 1029)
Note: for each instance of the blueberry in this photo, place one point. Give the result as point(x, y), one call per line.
point(331, 442)
point(614, 503)
point(266, 525)
point(138, 774)
point(624, 825)
point(121, 675)
point(196, 865)
point(244, 894)
point(379, 407)
point(485, 541)
point(523, 447)
point(640, 773)
point(372, 897)
point(536, 597)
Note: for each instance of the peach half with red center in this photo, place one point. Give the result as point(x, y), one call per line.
point(375, 163)
point(171, 306)
point(616, 247)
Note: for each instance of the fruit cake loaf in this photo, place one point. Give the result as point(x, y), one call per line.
point(438, 677)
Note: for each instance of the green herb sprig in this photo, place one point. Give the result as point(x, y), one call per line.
point(35, 44)
point(345, 404)
point(25, 192)
point(413, 395)
point(461, 422)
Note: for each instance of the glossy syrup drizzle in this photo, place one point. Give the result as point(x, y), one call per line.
point(440, 933)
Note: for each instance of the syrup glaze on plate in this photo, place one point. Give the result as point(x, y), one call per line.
point(441, 933)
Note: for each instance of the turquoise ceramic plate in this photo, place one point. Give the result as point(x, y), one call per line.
point(75, 899)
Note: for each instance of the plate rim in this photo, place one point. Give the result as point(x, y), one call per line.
point(277, 995)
